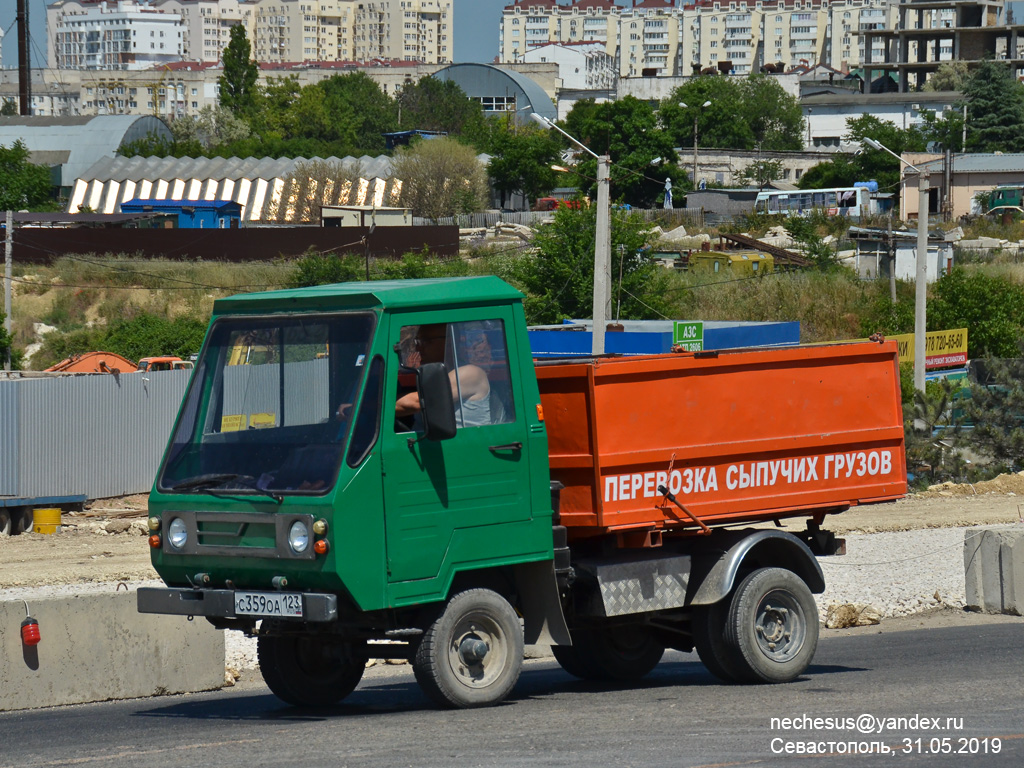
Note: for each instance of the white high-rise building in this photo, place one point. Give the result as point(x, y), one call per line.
point(663, 38)
point(120, 34)
point(207, 24)
point(405, 30)
point(112, 34)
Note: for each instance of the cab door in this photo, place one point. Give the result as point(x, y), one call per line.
point(455, 502)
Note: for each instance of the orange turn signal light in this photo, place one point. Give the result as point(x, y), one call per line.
point(540, 412)
point(154, 541)
point(320, 546)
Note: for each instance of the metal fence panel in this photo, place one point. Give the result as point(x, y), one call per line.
point(8, 439)
point(667, 218)
point(99, 435)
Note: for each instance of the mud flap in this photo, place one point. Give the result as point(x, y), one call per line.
point(541, 604)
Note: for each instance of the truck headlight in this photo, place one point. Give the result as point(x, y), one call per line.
point(177, 533)
point(298, 537)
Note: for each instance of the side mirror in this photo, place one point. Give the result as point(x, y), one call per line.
point(437, 407)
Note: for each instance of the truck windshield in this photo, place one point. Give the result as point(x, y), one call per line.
point(270, 405)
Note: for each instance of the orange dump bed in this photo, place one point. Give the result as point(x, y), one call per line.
point(736, 436)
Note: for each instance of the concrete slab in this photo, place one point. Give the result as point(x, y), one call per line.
point(98, 647)
point(994, 569)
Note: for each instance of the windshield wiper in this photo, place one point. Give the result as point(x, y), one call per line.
point(249, 486)
point(210, 482)
point(205, 481)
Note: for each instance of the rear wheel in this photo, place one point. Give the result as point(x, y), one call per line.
point(471, 655)
point(772, 625)
point(622, 652)
point(23, 522)
point(708, 627)
point(310, 671)
point(5, 521)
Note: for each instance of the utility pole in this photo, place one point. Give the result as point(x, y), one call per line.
point(921, 293)
point(8, 274)
point(890, 251)
point(921, 276)
point(24, 58)
point(602, 236)
point(602, 254)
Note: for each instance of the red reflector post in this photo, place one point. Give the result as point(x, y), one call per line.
point(30, 631)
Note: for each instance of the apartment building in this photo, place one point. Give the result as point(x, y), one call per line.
point(110, 34)
point(656, 38)
point(121, 35)
point(208, 24)
point(405, 30)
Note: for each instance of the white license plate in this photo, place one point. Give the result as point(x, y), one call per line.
point(268, 604)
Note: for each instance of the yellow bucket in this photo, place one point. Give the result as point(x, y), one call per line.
point(45, 520)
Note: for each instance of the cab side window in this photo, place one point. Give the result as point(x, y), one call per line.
point(476, 355)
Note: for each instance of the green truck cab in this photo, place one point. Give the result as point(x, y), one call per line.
point(292, 496)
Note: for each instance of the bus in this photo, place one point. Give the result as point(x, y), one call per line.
point(851, 202)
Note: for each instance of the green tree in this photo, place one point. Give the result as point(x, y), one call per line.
point(996, 409)
point(995, 108)
point(946, 130)
point(559, 277)
point(521, 160)
point(439, 105)
point(840, 171)
point(440, 177)
point(238, 81)
point(774, 116)
point(323, 269)
point(212, 126)
point(929, 435)
point(950, 76)
point(989, 306)
point(9, 108)
point(23, 185)
point(145, 335)
point(371, 111)
point(843, 170)
point(627, 130)
point(7, 346)
point(803, 230)
point(719, 124)
point(760, 172)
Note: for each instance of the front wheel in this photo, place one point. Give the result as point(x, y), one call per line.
point(310, 671)
point(471, 655)
point(772, 625)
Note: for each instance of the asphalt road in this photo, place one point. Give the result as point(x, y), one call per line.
point(679, 716)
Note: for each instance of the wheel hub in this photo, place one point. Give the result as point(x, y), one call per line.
point(473, 650)
point(779, 627)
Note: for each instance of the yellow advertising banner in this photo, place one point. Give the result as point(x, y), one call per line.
point(943, 349)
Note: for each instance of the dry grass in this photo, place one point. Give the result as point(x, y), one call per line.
point(76, 292)
point(828, 305)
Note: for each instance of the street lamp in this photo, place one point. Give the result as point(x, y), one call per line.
point(695, 115)
point(921, 279)
point(602, 236)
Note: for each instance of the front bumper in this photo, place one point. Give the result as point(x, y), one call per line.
point(220, 603)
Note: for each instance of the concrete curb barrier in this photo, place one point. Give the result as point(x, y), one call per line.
point(98, 647)
point(994, 570)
